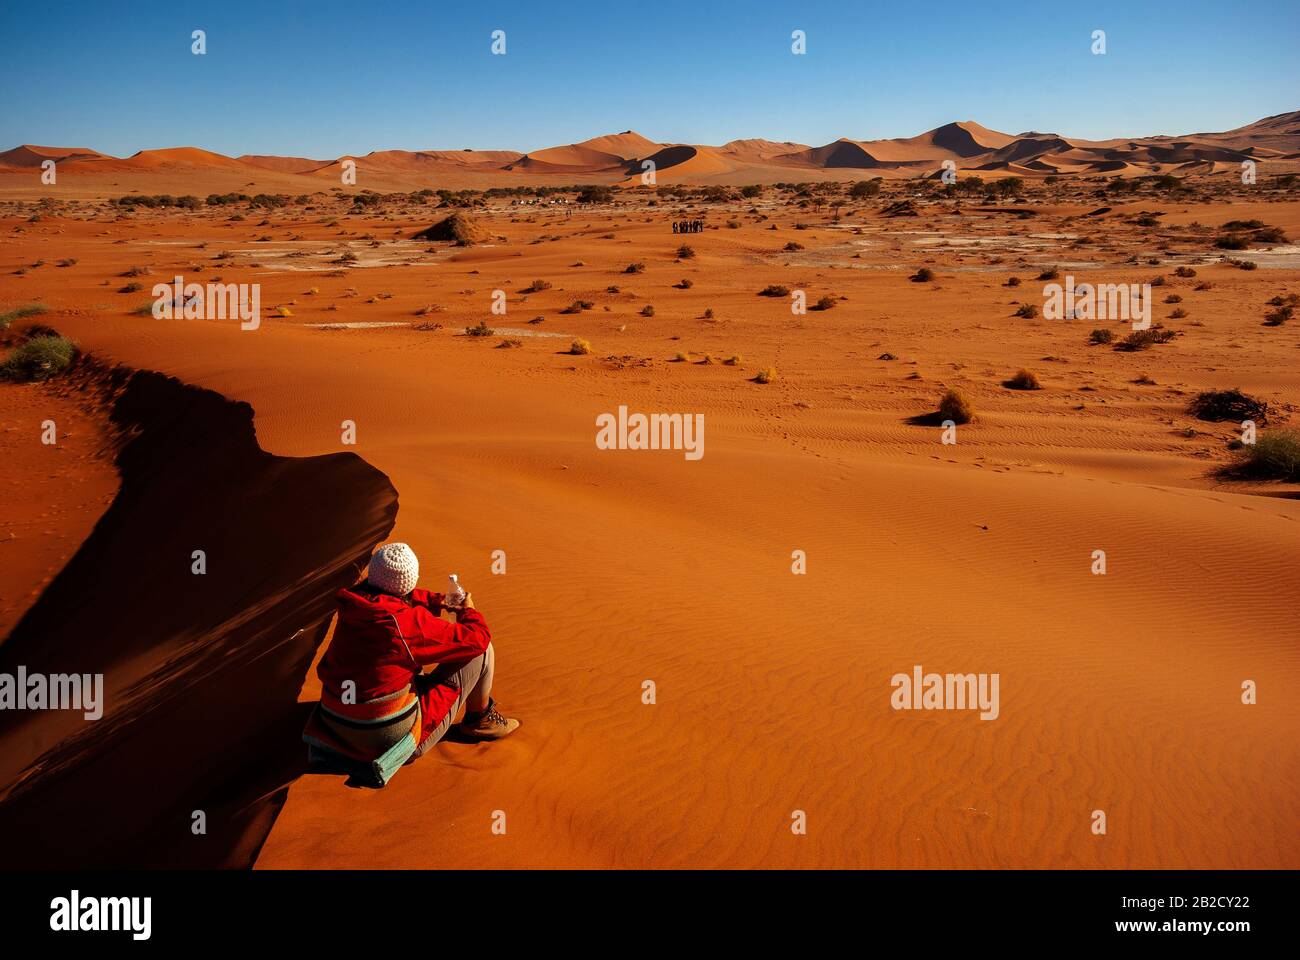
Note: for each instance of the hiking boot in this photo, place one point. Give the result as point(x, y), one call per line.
point(488, 725)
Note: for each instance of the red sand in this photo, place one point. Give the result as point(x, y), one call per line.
point(1119, 693)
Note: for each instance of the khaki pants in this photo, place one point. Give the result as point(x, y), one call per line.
point(472, 678)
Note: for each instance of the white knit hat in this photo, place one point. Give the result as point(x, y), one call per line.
point(394, 569)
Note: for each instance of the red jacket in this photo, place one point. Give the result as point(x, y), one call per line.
point(382, 643)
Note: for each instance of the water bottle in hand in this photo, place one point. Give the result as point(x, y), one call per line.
point(455, 592)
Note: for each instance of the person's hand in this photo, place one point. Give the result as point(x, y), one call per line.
point(468, 602)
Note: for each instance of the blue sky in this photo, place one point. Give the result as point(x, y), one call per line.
point(323, 79)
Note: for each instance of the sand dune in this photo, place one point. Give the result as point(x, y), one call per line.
point(200, 670)
point(1120, 692)
point(615, 158)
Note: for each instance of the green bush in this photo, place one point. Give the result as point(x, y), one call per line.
point(38, 359)
point(22, 313)
point(1273, 456)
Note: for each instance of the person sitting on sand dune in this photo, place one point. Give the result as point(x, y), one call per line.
point(374, 688)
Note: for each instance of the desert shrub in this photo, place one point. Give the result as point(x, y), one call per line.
point(734, 360)
point(1232, 241)
point(825, 303)
point(1158, 281)
point(1273, 456)
point(647, 311)
point(481, 329)
point(1027, 310)
point(1101, 335)
point(579, 347)
point(1184, 272)
point(1173, 298)
point(1142, 339)
point(1023, 380)
point(509, 342)
point(137, 271)
point(1219, 405)
point(792, 246)
point(774, 290)
point(634, 268)
point(1278, 316)
point(685, 252)
point(1050, 274)
point(1270, 235)
point(766, 375)
point(954, 406)
point(460, 228)
point(537, 286)
point(22, 313)
point(1012, 282)
point(1177, 313)
point(68, 262)
point(708, 314)
point(681, 357)
point(685, 284)
point(924, 275)
point(38, 358)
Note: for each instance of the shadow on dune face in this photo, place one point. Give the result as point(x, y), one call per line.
point(201, 672)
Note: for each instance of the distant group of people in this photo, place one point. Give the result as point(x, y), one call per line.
point(688, 226)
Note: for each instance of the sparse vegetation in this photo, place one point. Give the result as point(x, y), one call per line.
point(766, 375)
point(634, 268)
point(1144, 339)
point(924, 275)
point(1273, 456)
point(1219, 405)
point(1023, 380)
point(1027, 310)
point(685, 252)
point(1101, 335)
point(459, 228)
point(580, 347)
point(774, 290)
point(537, 286)
point(954, 406)
point(481, 329)
point(22, 313)
point(38, 358)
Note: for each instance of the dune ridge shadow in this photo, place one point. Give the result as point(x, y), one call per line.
point(201, 671)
